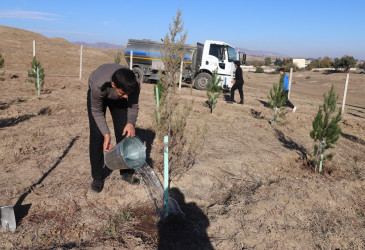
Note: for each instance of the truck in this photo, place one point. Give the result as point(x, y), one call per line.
point(199, 62)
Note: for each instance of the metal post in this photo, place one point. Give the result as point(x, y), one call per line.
point(166, 176)
point(181, 71)
point(345, 93)
point(290, 77)
point(131, 61)
point(80, 63)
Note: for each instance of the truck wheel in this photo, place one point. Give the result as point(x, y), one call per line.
point(201, 81)
point(138, 73)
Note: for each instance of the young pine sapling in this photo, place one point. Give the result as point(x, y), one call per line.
point(277, 99)
point(1, 61)
point(117, 58)
point(36, 74)
point(326, 130)
point(214, 90)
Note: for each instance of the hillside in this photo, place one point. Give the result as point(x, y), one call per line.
point(250, 186)
point(58, 57)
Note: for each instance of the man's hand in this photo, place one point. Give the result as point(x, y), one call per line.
point(107, 146)
point(129, 130)
point(233, 81)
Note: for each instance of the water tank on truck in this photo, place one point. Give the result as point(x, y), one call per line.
point(145, 56)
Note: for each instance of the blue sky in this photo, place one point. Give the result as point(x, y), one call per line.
point(295, 28)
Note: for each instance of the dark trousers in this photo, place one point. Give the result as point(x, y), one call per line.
point(288, 103)
point(118, 111)
point(240, 91)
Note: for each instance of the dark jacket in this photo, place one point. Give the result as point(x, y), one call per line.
point(238, 76)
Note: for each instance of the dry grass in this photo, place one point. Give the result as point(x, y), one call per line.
point(249, 187)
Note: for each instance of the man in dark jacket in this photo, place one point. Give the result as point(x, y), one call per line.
point(237, 82)
point(113, 86)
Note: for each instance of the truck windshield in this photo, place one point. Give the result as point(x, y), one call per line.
point(232, 56)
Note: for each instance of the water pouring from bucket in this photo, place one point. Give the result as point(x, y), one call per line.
point(130, 153)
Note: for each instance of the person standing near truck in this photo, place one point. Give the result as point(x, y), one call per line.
point(286, 89)
point(237, 82)
point(113, 86)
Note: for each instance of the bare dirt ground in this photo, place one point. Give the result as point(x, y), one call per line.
point(248, 189)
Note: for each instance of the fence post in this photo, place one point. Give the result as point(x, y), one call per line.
point(181, 71)
point(290, 77)
point(345, 93)
point(33, 48)
point(166, 176)
point(80, 63)
point(131, 61)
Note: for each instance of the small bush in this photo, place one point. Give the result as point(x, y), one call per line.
point(118, 58)
point(259, 70)
point(1, 61)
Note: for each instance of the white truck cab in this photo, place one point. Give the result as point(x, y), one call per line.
point(216, 56)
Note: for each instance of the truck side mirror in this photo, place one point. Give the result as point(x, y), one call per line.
point(242, 58)
point(222, 65)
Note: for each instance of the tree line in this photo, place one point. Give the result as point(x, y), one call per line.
point(346, 62)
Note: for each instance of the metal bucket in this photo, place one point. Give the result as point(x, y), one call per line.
point(130, 153)
point(7, 216)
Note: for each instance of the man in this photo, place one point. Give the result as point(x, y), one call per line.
point(237, 82)
point(286, 89)
point(115, 87)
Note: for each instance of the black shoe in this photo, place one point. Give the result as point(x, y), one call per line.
point(129, 176)
point(241, 102)
point(97, 185)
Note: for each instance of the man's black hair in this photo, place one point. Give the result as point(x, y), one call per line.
point(237, 63)
point(125, 79)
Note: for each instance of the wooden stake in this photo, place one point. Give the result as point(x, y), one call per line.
point(345, 93)
point(131, 61)
point(181, 71)
point(33, 48)
point(80, 63)
point(166, 176)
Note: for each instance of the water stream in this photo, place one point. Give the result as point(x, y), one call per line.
point(153, 186)
point(156, 191)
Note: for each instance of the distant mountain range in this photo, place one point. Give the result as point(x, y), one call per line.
point(261, 53)
point(100, 45)
point(103, 45)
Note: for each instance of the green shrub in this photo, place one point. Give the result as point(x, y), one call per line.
point(1, 61)
point(118, 58)
point(326, 130)
point(214, 90)
point(259, 70)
